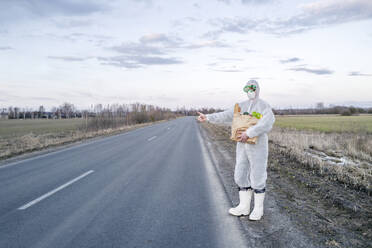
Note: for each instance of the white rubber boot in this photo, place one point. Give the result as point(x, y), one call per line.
point(257, 212)
point(244, 206)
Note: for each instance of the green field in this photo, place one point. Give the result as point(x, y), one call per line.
point(326, 123)
point(19, 127)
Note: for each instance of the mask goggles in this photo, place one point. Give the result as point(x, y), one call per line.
point(249, 88)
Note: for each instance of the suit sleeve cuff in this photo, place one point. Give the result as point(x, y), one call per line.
point(250, 133)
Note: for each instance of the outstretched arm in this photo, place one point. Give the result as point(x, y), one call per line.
point(221, 117)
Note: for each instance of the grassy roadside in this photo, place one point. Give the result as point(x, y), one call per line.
point(330, 211)
point(342, 157)
point(50, 134)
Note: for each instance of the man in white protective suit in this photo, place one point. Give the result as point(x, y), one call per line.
point(251, 159)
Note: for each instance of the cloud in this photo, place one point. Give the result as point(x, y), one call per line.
point(171, 42)
point(154, 49)
point(256, 1)
point(228, 70)
point(230, 59)
point(334, 10)
point(5, 48)
point(357, 73)
point(138, 48)
point(313, 15)
point(68, 58)
point(225, 1)
point(212, 64)
point(159, 38)
point(247, 1)
point(208, 43)
point(155, 60)
point(150, 44)
point(179, 23)
point(146, 2)
point(15, 11)
point(72, 23)
point(155, 37)
point(290, 60)
point(232, 25)
point(59, 7)
point(151, 49)
point(313, 71)
point(328, 12)
point(96, 39)
point(239, 25)
point(134, 61)
point(119, 61)
point(225, 68)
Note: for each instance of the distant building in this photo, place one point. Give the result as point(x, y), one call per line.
point(4, 115)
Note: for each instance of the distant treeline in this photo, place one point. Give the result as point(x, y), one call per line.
point(116, 115)
point(342, 110)
point(66, 110)
point(99, 117)
point(128, 114)
point(320, 109)
point(137, 112)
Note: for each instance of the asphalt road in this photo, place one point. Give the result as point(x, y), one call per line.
point(151, 187)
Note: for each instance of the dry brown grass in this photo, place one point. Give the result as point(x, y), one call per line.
point(355, 145)
point(11, 146)
point(305, 145)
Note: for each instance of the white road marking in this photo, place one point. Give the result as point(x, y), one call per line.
point(54, 191)
point(154, 137)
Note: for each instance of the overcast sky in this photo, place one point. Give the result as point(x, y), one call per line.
point(184, 53)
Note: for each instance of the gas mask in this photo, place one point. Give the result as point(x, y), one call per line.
point(251, 94)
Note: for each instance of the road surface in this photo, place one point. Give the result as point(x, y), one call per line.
point(151, 187)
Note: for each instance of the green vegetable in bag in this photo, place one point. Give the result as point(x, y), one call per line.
point(257, 115)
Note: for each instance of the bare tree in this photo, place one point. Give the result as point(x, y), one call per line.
point(41, 111)
point(16, 112)
point(67, 109)
point(319, 105)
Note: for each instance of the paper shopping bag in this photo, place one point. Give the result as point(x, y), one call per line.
point(242, 123)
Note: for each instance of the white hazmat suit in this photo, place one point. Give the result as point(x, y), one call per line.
point(251, 159)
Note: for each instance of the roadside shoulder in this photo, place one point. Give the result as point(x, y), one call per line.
point(276, 228)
